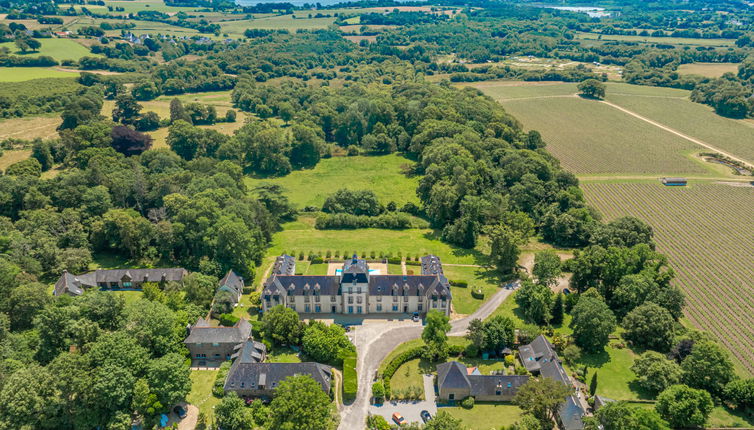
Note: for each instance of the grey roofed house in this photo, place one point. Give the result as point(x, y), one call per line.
point(538, 352)
point(210, 346)
point(115, 279)
point(407, 285)
point(455, 383)
point(297, 285)
point(233, 284)
point(431, 265)
point(262, 379)
point(570, 414)
point(250, 351)
point(357, 269)
point(284, 265)
point(600, 401)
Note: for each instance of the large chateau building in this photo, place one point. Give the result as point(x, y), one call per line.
point(355, 289)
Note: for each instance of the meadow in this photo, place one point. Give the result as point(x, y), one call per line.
point(381, 174)
point(686, 41)
point(59, 49)
point(700, 228)
point(32, 127)
point(18, 74)
point(710, 70)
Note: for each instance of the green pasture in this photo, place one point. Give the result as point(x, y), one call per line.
point(18, 74)
point(658, 40)
point(277, 22)
point(381, 174)
point(59, 49)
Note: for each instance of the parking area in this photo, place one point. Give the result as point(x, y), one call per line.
point(411, 411)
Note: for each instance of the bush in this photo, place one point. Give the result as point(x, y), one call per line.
point(459, 283)
point(317, 260)
point(467, 403)
point(247, 290)
point(477, 293)
point(394, 260)
point(337, 221)
point(455, 350)
point(378, 390)
point(228, 320)
point(350, 381)
point(413, 263)
point(222, 373)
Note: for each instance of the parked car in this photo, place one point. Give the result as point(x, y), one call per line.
point(425, 416)
point(415, 317)
point(180, 411)
point(398, 418)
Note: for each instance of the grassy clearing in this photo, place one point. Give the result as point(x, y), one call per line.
point(277, 22)
point(11, 156)
point(710, 70)
point(658, 40)
point(44, 127)
point(700, 228)
point(18, 74)
point(201, 392)
point(59, 49)
point(129, 296)
point(485, 416)
point(382, 174)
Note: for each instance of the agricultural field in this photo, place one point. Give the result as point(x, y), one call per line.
point(699, 227)
point(684, 41)
point(18, 74)
point(59, 49)
point(276, 22)
point(382, 174)
point(710, 70)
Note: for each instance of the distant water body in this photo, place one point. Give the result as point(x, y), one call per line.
point(293, 2)
point(592, 11)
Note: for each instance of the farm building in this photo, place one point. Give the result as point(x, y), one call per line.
point(674, 182)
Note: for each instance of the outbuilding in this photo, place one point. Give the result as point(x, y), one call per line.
point(674, 182)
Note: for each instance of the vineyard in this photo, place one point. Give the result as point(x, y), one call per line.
point(706, 231)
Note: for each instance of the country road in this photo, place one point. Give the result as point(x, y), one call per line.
point(375, 341)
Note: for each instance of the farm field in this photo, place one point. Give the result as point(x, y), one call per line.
point(382, 174)
point(59, 49)
point(277, 22)
point(659, 40)
point(18, 74)
point(30, 127)
point(711, 70)
point(700, 229)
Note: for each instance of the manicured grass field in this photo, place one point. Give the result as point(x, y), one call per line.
point(410, 375)
point(485, 416)
point(705, 229)
point(201, 392)
point(18, 74)
point(463, 302)
point(711, 70)
point(59, 49)
point(381, 174)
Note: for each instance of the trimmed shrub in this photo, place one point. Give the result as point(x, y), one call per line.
point(413, 263)
point(467, 403)
point(477, 293)
point(398, 361)
point(459, 283)
point(317, 260)
point(222, 373)
point(350, 381)
point(455, 350)
point(394, 260)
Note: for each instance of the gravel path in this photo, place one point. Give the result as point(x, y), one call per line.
point(375, 340)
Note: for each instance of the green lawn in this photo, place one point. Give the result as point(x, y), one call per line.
point(410, 375)
point(614, 375)
point(486, 416)
point(201, 391)
point(59, 49)
point(405, 346)
point(129, 296)
point(381, 174)
point(279, 354)
point(463, 302)
point(18, 74)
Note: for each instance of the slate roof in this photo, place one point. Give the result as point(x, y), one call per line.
point(284, 265)
point(248, 376)
point(431, 265)
point(536, 353)
point(250, 351)
point(202, 332)
point(71, 284)
point(355, 268)
point(141, 275)
point(232, 281)
point(298, 285)
point(570, 414)
point(454, 375)
point(410, 284)
point(600, 401)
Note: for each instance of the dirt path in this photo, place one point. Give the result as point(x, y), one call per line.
point(678, 133)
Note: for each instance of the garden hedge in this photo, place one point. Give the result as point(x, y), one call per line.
point(457, 283)
point(400, 359)
point(477, 293)
point(350, 381)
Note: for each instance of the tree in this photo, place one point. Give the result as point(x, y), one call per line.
point(654, 372)
point(542, 398)
point(25, 302)
point(354, 202)
point(684, 407)
point(650, 326)
point(546, 267)
point(624, 232)
point(145, 91)
point(199, 288)
point(708, 367)
point(40, 150)
point(129, 142)
point(286, 112)
point(498, 333)
point(558, 309)
point(154, 326)
point(476, 334)
point(307, 147)
point(25, 395)
point(169, 378)
point(740, 393)
point(150, 121)
point(230, 116)
point(592, 323)
point(126, 109)
point(504, 251)
point(177, 112)
point(592, 88)
point(300, 404)
point(621, 415)
point(535, 300)
point(28, 167)
point(444, 421)
point(231, 413)
point(324, 343)
point(81, 110)
point(571, 354)
point(282, 325)
point(435, 335)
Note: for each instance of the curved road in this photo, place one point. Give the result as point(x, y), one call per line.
point(374, 341)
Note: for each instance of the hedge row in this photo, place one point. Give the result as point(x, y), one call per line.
point(222, 373)
point(458, 283)
point(350, 381)
point(394, 221)
point(402, 358)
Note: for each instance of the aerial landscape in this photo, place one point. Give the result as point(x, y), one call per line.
point(376, 214)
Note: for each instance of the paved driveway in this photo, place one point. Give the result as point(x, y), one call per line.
point(376, 340)
point(411, 410)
